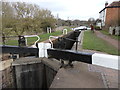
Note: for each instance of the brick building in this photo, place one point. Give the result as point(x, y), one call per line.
point(110, 15)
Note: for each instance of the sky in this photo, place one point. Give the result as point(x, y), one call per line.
point(71, 9)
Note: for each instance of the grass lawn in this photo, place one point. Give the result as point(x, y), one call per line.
point(112, 36)
point(11, 42)
point(92, 42)
point(43, 37)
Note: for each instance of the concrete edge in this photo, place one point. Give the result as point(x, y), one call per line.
point(55, 64)
point(25, 61)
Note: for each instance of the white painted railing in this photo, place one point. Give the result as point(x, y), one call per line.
point(26, 36)
point(51, 40)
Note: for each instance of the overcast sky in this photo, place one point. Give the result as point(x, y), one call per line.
point(71, 9)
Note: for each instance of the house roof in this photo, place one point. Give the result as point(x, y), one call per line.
point(115, 4)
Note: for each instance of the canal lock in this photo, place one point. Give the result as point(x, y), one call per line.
point(39, 72)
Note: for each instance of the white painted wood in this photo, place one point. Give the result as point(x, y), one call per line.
point(43, 49)
point(109, 61)
point(47, 46)
point(64, 31)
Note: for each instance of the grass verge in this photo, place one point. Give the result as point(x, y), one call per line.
point(43, 37)
point(112, 36)
point(92, 42)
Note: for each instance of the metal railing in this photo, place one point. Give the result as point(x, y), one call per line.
point(22, 40)
point(26, 36)
point(51, 40)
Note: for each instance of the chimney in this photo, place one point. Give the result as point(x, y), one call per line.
point(106, 4)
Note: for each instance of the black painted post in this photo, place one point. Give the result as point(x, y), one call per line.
point(21, 41)
point(76, 43)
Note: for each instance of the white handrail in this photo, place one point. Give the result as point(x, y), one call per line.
point(33, 36)
point(64, 31)
point(51, 40)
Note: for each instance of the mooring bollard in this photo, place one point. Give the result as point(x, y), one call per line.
point(21, 41)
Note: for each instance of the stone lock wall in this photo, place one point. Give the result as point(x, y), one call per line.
point(6, 73)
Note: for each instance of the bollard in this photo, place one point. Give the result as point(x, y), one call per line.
point(21, 41)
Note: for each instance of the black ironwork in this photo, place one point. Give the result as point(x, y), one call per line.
point(20, 50)
point(21, 41)
point(66, 42)
point(70, 55)
point(62, 41)
point(76, 43)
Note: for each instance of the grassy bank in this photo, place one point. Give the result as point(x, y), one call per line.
point(43, 37)
point(92, 42)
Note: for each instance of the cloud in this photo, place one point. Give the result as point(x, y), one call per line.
point(53, 6)
point(74, 9)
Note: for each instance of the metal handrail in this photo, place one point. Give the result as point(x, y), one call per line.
point(33, 36)
point(51, 40)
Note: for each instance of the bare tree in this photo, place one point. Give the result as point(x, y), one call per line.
point(7, 18)
point(22, 17)
point(91, 20)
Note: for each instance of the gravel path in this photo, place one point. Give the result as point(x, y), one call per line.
point(108, 39)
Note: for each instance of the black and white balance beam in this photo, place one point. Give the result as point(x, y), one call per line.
point(105, 60)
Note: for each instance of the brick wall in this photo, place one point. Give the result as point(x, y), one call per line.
point(112, 17)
